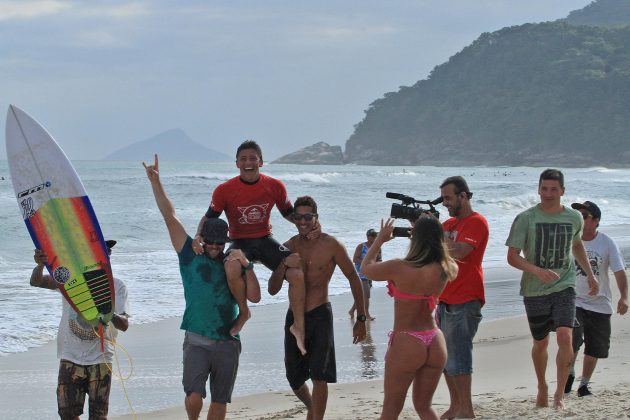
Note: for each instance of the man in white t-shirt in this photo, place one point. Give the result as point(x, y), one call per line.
point(83, 368)
point(593, 313)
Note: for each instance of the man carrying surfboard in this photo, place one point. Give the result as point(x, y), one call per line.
point(210, 349)
point(84, 369)
point(247, 201)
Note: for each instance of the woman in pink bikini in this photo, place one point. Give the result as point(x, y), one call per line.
point(417, 351)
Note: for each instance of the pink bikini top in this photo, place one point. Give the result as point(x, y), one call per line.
point(397, 294)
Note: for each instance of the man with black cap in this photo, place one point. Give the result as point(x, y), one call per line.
point(593, 313)
point(359, 254)
point(84, 369)
point(209, 348)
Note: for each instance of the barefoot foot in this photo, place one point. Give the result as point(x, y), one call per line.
point(542, 399)
point(299, 338)
point(558, 402)
point(451, 413)
point(240, 321)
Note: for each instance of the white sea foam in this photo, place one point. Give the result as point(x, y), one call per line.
point(350, 199)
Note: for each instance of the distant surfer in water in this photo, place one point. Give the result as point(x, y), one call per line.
point(210, 350)
point(83, 368)
point(247, 201)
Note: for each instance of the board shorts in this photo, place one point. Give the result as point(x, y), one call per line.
point(75, 381)
point(217, 359)
point(459, 324)
point(319, 362)
point(593, 331)
point(265, 250)
point(548, 312)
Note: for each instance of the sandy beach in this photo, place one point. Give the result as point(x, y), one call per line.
point(504, 384)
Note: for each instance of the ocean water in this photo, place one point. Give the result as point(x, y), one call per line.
point(351, 199)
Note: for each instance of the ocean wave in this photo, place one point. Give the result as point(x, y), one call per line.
point(523, 201)
point(207, 177)
point(304, 177)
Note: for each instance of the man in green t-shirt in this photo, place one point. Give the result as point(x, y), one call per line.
point(549, 234)
point(209, 349)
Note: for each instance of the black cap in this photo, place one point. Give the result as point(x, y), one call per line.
point(590, 207)
point(371, 232)
point(110, 243)
point(215, 230)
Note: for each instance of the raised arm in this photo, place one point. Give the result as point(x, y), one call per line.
point(175, 228)
point(371, 267)
point(38, 278)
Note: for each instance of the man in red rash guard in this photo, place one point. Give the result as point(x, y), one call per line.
point(459, 312)
point(247, 201)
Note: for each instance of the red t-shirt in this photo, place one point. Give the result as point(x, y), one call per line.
point(468, 285)
point(248, 206)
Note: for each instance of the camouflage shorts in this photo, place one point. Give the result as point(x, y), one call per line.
point(75, 381)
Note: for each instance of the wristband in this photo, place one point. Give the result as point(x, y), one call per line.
point(249, 266)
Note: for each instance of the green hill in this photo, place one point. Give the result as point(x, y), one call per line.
point(536, 94)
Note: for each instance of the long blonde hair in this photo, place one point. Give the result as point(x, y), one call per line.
point(427, 246)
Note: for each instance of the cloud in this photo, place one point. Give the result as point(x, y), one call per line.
point(124, 11)
point(24, 9)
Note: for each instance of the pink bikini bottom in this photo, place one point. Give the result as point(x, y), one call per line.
point(426, 336)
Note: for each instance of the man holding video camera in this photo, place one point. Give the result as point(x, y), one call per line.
point(459, 310)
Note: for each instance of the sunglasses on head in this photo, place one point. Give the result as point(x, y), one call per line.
point(304, 216)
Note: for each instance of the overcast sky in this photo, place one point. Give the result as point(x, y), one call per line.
point(100, 75)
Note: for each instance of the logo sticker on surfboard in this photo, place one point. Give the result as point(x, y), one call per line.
point(61, 275)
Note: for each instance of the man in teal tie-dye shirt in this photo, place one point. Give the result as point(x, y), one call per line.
point(209, 349)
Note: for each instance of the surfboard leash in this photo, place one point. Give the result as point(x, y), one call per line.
point(118, 376)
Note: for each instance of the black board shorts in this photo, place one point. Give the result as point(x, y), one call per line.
point(265, 250)
point(319, 362)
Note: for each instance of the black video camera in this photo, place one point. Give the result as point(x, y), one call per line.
point(410, 209)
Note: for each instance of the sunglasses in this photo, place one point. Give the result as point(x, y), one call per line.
point(304, 216)
point(213, 243)
point(586, 215)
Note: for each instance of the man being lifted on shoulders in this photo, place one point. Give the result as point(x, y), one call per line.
point(247, 201)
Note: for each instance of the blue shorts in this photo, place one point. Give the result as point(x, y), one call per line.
point(459, 325)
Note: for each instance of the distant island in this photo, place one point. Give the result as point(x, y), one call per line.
point(171, 145)
point(320, 153)
point(553, 93)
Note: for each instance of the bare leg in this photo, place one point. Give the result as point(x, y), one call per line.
point(564, 337)
point(402, 361)
point(233, 271)
point(217, 411)
point(319, 399)
point(539, 357)
point(588, 366)
point(424, 386)
point(459, 387)
point(295, 278)
point(193, 404)
point(304, 395)
point(352, 309)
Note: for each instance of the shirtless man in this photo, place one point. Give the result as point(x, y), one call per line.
point(317, 258)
